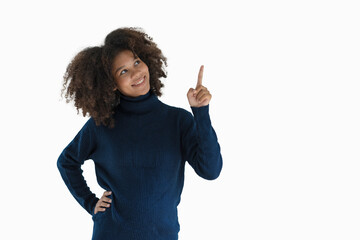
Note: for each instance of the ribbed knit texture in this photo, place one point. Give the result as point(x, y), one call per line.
point(142, 162)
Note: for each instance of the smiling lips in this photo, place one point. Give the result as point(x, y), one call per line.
point(138, 83)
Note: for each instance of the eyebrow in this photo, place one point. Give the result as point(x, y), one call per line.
point(134, 58)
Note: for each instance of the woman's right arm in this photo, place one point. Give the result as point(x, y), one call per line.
point(80, 149)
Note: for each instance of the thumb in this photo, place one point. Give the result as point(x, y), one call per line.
point(192, 92)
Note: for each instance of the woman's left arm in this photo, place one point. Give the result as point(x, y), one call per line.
point(200, 145)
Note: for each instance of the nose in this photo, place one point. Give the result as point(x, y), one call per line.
point(136, 74)
point(137, 77)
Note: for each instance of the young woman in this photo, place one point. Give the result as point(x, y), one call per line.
point(139, 144)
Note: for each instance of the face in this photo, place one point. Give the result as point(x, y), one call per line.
point(131, 75)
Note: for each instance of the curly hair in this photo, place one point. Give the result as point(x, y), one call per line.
point(89, 74)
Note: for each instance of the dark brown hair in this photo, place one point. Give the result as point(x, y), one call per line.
point(89, 74)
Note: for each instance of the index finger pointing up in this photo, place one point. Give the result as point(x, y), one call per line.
point(199, 82)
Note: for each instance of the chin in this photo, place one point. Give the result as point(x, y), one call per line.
point(143, 91)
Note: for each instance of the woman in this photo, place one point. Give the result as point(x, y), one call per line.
point(139, 144)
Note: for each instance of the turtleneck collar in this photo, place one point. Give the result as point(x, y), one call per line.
point(141, 104)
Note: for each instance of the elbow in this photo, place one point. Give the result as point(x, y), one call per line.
point(214, 173)
point(59, 164)
point(211, 177)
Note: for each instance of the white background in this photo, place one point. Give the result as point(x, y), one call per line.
point(284, 76)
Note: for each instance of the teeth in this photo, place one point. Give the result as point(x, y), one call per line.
point(139, 81)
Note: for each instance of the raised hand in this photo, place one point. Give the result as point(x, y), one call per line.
point(199, 96)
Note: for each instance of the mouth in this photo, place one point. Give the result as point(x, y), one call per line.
point(139, 82)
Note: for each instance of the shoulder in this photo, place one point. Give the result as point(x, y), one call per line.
point(89, 126)
point(184, 118)
point(178, 112)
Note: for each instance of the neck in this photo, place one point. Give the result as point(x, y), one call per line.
point(140, 104)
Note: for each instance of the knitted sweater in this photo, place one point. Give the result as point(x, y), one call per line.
point(142, 162)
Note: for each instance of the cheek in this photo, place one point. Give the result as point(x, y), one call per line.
point(145, 68)
point(126, 82)
point(123, 82)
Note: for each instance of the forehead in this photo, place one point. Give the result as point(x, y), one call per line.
point(123, 57)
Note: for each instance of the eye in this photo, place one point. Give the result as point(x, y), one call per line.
point(126, 70)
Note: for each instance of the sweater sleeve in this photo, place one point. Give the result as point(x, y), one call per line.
point(69, 164)
point(199, 142)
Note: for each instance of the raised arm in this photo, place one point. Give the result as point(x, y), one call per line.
point(200, 145)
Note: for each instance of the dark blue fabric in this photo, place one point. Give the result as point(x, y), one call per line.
point(142, 162)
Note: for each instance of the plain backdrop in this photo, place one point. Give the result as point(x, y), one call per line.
point(285, 81)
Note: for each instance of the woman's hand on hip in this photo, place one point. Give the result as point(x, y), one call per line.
point(103, 202)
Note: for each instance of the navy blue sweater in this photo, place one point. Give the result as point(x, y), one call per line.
point(142, 162)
